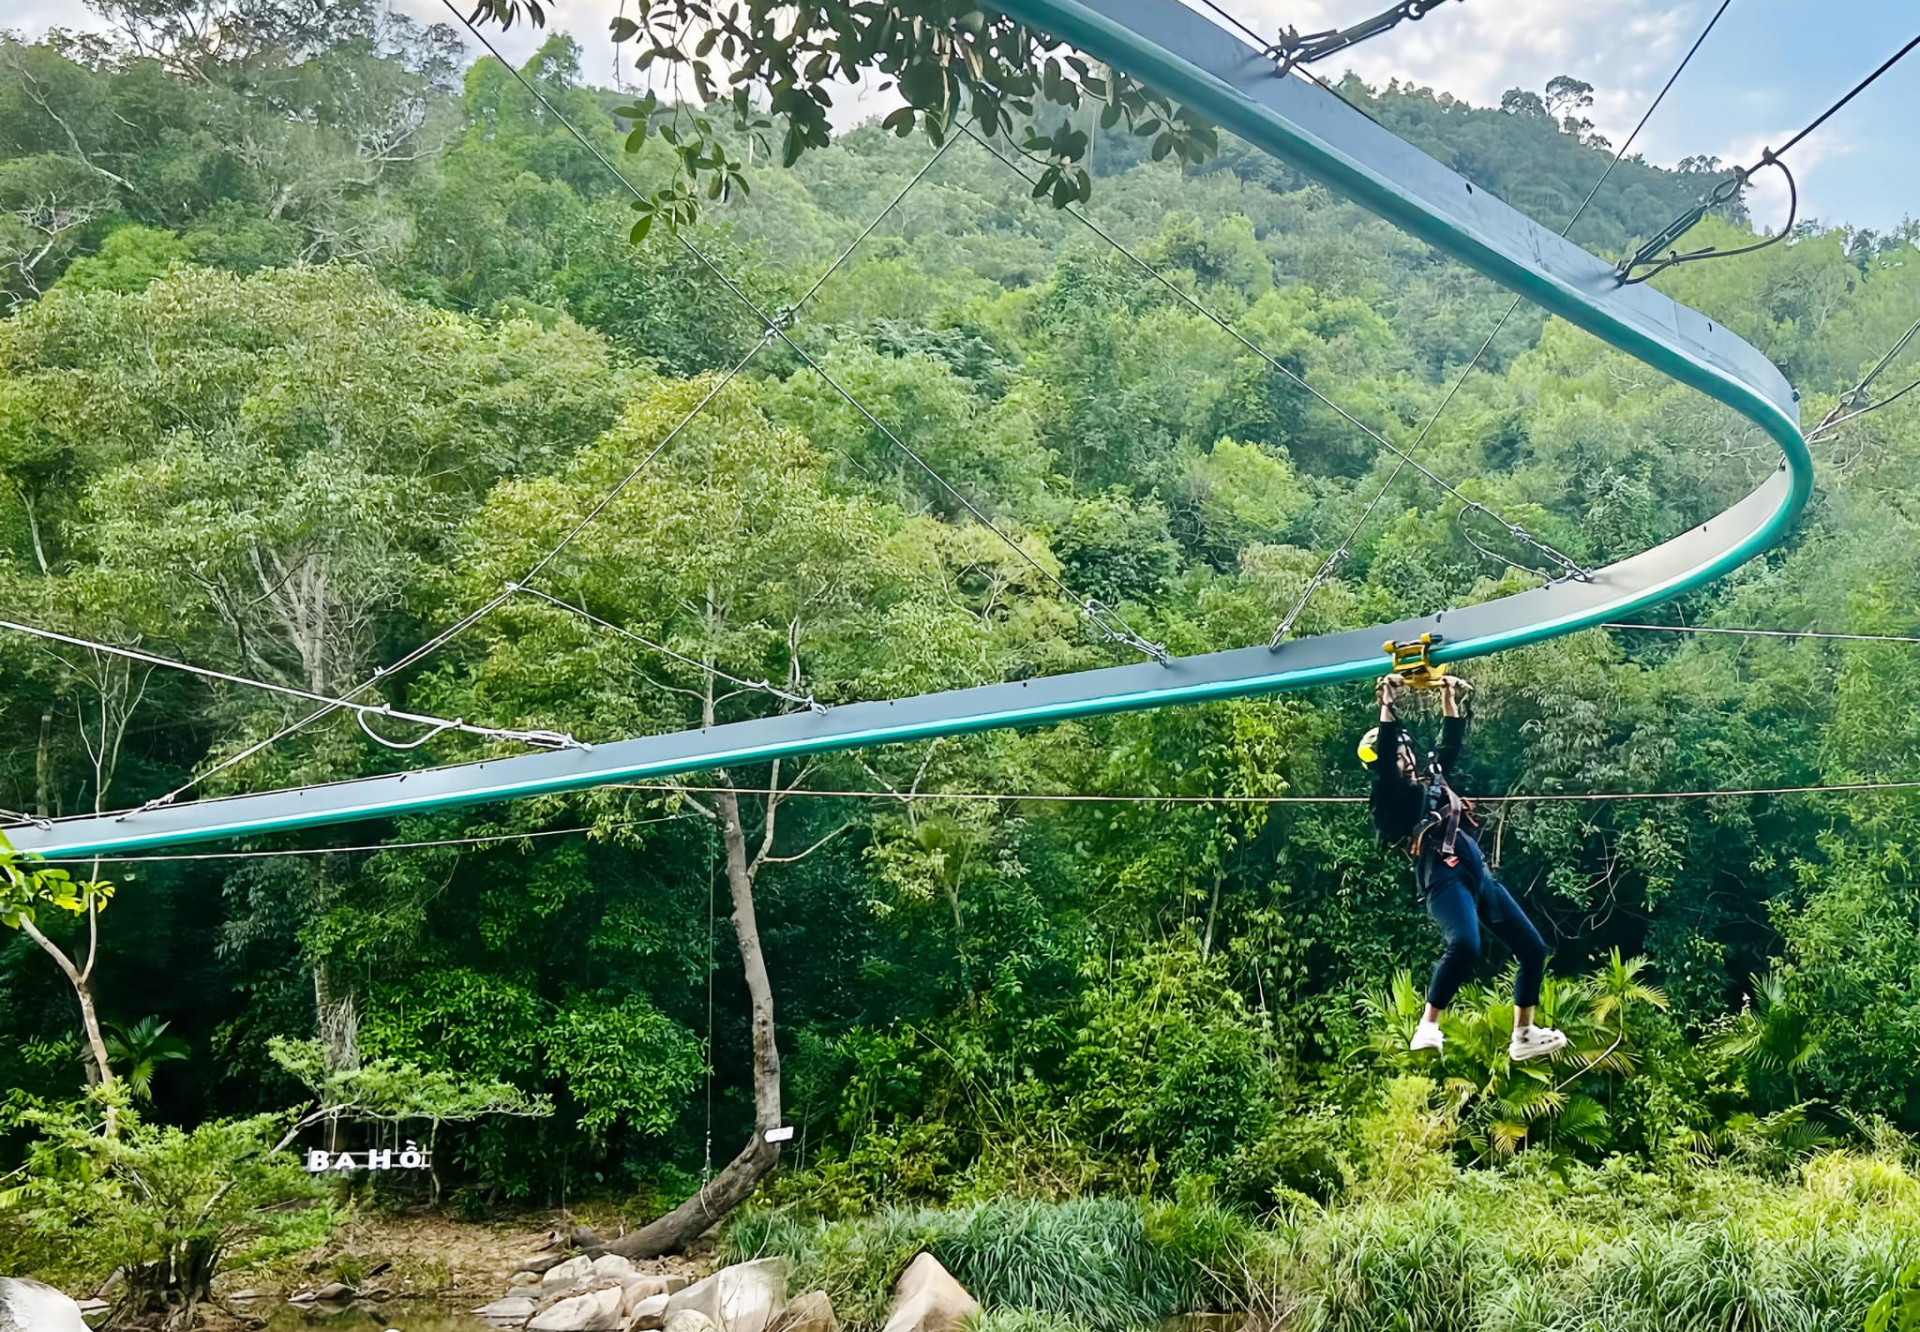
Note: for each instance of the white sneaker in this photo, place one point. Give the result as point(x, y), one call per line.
point(1535, 1042)
point(1427, 1036)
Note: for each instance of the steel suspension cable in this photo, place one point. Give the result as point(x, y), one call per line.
point(1111, 625)
point(547, 559)
point(1852, 93)
point(479, 839)
point(1765, 633)
point(1648, 255)
point(1291, 50)
point(763, 686)
point(1282, 368)
point(997, 797)
point(431, 645)
point(1853, 396)
point(1080, 798)
point(544, 739)
point(1333, 561)
point(1888, 401)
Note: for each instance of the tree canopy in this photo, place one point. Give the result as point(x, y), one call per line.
point(316, 338)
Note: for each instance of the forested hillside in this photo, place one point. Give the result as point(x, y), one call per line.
point(319, 336)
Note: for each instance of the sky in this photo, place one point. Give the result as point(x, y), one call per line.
point(1769, 68)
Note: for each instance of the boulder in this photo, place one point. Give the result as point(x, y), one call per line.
point(647, 1313)
point(512, 1309)
point(644, 1285)
point(687, 1320)
point(595, 1311)
point(545, 1300)
point(523, 1278)
point(742, 1298)
point(928, 1299)
point(29, 1306)
point(612, 1265)
point(570, 1273)
point(811, 1312)
point(334, 1292)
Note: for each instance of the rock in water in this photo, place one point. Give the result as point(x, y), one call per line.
point(742, 1298)
point(687, 1320)
point(512, 1309)
point(569, 1273)
point(595, 1311)
point(811, 1312)
point(644, 1285)
point(29, 1306)
point(928, 1299)
point(647, 1313)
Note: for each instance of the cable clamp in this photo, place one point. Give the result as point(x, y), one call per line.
point(1116, 630)
point(1295, 48)
point(547, 739)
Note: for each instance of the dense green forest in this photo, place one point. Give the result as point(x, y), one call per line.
point(317, 335)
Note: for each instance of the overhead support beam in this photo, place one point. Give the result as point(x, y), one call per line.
point(1188, 58)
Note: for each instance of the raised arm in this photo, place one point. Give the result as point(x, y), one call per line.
point(1453, 728)
point(1386, 769)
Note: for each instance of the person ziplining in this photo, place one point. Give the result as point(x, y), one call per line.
point(1423, 815)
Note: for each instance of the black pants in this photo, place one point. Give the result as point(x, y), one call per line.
point(1457, 895)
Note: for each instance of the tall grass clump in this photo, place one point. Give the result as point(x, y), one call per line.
point(1541, 1245)
point(1416, 1265)
point(1104, 1264)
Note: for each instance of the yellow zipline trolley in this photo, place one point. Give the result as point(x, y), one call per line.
point(1411, 661)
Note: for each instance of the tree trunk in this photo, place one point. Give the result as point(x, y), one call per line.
point(169, 1291)
point(737, 1180)
point(43, 767)
point(336, 1016)
point(33, 530)
point(89, 1020)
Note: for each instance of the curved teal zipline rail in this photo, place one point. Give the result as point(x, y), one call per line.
point(1190, 59)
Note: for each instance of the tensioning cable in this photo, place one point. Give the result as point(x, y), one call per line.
point(1331, 564)
point(1112, 627)
point(1649, 256)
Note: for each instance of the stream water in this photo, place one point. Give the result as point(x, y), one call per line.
point(400, 1316)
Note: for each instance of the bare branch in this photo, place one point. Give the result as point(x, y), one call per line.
point(788, 860)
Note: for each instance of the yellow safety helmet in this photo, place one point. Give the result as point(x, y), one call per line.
point(1368, 755)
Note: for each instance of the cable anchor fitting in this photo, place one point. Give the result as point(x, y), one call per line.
point(1296, 48)
point(1650, 255)
point(1113, 629)
point(1333, 561)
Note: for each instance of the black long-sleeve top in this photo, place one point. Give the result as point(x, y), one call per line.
point(1399, 802)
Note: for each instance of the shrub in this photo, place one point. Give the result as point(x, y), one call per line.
point(171, 1207)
